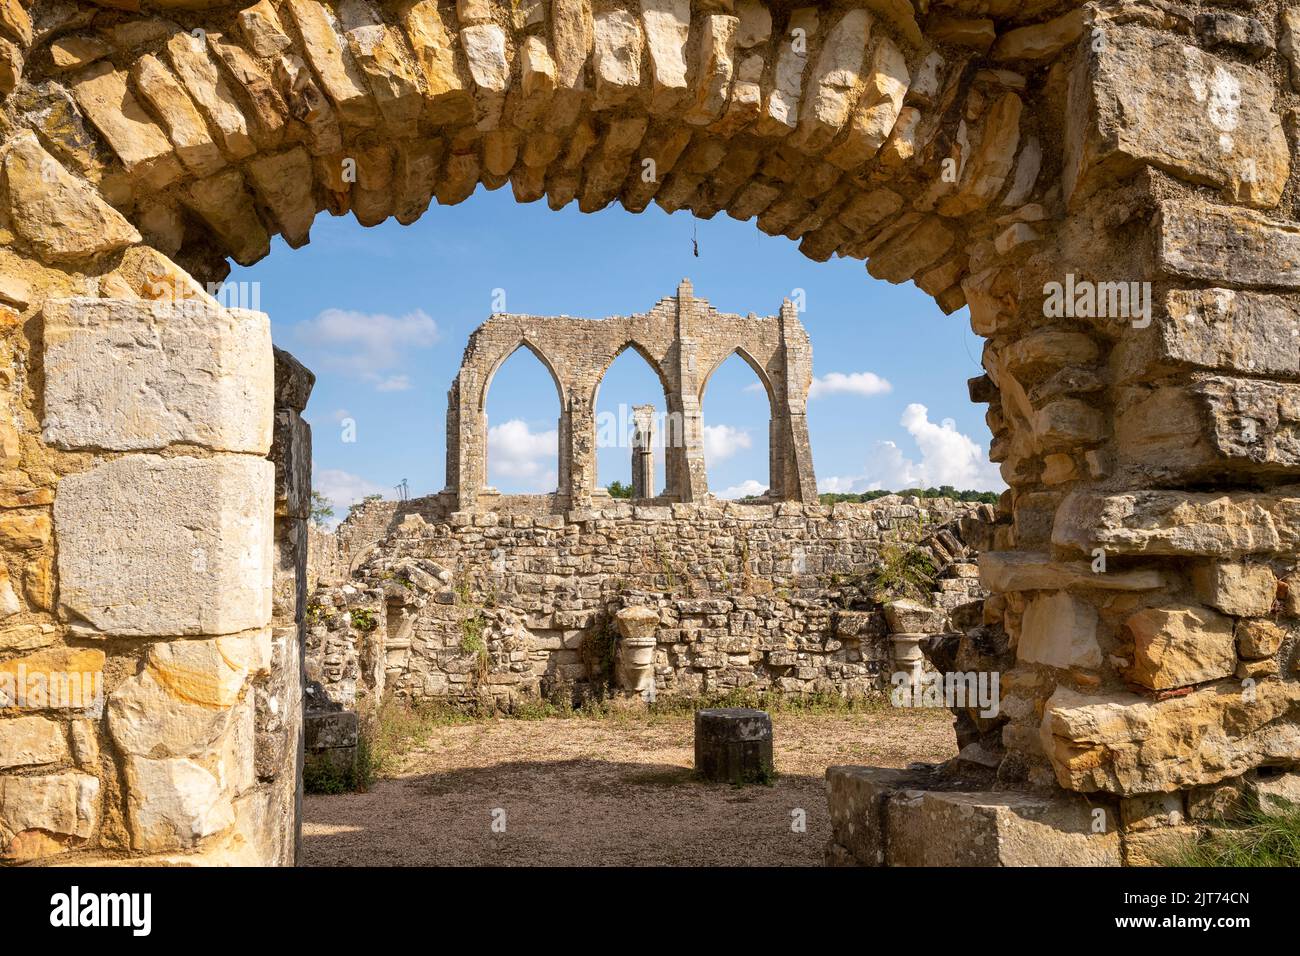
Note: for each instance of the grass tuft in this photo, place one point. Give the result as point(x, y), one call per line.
point(1256, 838)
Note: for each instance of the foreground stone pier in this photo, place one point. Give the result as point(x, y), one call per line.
point(1107, 186)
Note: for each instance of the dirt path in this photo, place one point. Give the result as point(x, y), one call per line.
point(603, 792)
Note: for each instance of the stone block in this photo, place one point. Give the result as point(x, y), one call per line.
point(1147, 97)
point(173, 804)
point(1059, 630)
point(1127, 744)
point(31, 742)
point(937, 828)
point(1178, 523)
point(733, 745)
point(329, 730)
point(44, 815)
point(1277, 793)
point(1226, 244)
point(1241, 589)
point(1179, 646)
point(856, 797)
point(1159, 847)
point(129, 375)
point(191, 545)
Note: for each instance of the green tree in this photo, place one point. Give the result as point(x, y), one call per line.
point(321, 509)
point(619, 490)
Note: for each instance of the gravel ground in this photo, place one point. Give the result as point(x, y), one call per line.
point(616, 791)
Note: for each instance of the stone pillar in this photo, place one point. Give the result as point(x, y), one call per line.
point(578, 449)
point(790, 451)
point(643, 454)
point(466, 441)
point(686, 462)
point(279, 716)
point(165, 562)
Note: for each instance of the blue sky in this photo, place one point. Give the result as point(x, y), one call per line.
point(382, 316)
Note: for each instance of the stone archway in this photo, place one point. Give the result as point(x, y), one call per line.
point(985, 150)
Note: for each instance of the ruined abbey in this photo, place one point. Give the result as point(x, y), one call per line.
point(1107, 187)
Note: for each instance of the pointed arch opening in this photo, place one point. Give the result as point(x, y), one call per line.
point(736, 428)
point(522, 406)
point(634, 424)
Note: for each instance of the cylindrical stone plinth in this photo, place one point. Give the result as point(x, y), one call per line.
point(733, 745)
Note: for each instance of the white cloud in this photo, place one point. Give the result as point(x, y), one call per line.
point(723, 441)
point(745, 489)
point(525, 457)
point(369, 346)
point(394, 383)
point(948, 457)
point(853, 383)
point(342, 488)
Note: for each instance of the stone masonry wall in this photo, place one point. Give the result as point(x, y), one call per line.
point(499, 606)
point(1138, 154)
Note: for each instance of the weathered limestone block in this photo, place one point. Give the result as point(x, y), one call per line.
point(61, 215)
point(1220, 329)
point(57, 678)
point(667, 24)
point(1002, 829)
point(1059, 630)
point(192, 545)
point(1148, 97)
point(1040, 41)
point(991, 161)
point(1178, 646)
point(1228, 245)
point(1245, 590)
point(178, 704)
point(343, 81)
point(283, 182)
point(733, 745)
point(715, 66)
point(192, 60)
point(877, 109)
point(31, 742)
point(856, 797)
point(226, 206)
point(906, 616)
point(1004, 571)
point(446, 97)
point(1213, 422)
point(379, 53)
point(42, 816)
point(1178, 523)
point(268, 112)
point(185, 126)
point(1162, 846)
point(1279, 793)
point(616, 57)
point(1126, 744)
point(174, 803)
point(485, 49)
point(128, 375)
point(780, 113)
point(143, 148)
point(1259, 639)
point(834, 80)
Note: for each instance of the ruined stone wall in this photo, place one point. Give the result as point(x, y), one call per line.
point(501, 606)
point(684, 340)
point(992, 153)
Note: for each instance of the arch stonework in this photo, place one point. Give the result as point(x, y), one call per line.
point(1025, 158)
point(683, 340)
